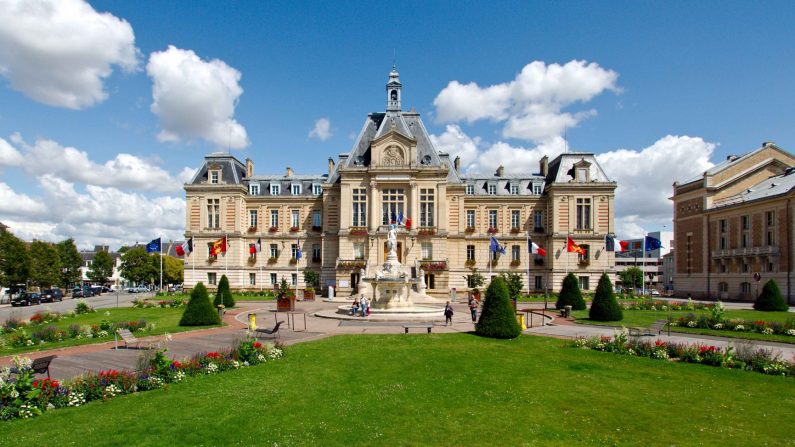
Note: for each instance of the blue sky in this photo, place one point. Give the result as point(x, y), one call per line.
point(714, 76)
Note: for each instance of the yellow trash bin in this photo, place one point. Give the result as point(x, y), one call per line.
point(520, 319)
point(252, 322)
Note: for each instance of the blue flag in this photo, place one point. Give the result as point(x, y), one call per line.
point(297, 250)
point(495, 246)
point(610, 243)
point(400, 218)
point(652, 243)
point(153, 246)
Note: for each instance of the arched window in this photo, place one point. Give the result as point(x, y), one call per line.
point(393, 95)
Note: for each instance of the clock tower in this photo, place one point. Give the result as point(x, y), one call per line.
point(393, 88)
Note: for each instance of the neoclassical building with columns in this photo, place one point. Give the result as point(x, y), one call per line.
point(340, 219)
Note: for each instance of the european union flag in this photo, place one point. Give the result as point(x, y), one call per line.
point(298, 253)
point(154, 246)
point(610, 243)
point(652, 243)
point(495, 246)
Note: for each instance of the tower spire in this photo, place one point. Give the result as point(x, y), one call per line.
point(393, 91)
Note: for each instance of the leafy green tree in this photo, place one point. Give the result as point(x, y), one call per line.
point(312, 279)
point(223, 295)
point(498, 319)
point(14, 260)
point(770, 299)
point(139, 266)
point(70, 263)
point(514, 283)
point(605, 306)
point(101, 268)
point(173, 270)
point(199, 311)
point(474, 281)
point(45, 264)
point(631, 278)
point(570, 294)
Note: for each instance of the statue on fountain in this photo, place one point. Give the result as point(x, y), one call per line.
point(392, 267)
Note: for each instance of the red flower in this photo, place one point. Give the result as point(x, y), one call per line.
point(46, 383)
point(176, 364)
point(111, 374)
point(257, 344)
point(660, 344)
point(705, 349)
point(213, 355)
point(604, 339)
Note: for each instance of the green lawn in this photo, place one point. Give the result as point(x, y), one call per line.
point(454, 389)
point(165, 320)
point(644, 318)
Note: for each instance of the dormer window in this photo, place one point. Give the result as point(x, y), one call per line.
point(582, 175)
point(295, 189)
point(317, 189)
point(214, 176)
point(492, 189)
point(514, 190)
point(253, 189)
point(537, 189)
point(276, 190)
point(470, 190)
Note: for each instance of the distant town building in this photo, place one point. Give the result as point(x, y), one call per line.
point(88, 258)
point(734, 221)
point(650, 262)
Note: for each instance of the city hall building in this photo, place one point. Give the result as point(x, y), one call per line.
point(339, 219)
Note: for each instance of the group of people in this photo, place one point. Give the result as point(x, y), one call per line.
point(360, 307)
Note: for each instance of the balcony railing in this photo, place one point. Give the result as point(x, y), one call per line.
point(768, 250)
point(433, 266)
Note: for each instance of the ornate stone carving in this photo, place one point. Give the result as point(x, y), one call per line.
point(393, 157)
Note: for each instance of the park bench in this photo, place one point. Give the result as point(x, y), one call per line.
point(427, 326)
point(131, 341)
point(40, 365)
point(272, 332)
point(652, 330)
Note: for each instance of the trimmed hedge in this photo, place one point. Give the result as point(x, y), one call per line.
point(770, 299)
point(498, 319)
point(570, 294)
point(605, 306)
point(199, 311)
point(224, 294)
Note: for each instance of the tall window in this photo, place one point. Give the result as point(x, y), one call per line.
point(253, 189)
point(584, 283)
point(470, 252)
point(492, 189)
point(470, 218)
point(538, 220)
point(274, 251)
point(295, 189)
point(515, 252)
point(770, 233)
point(470, 190)
point(584, 214)
point(515, 219)
point(427, 251)
point(252, 279)
point(276, 190)
point(316, 220)
point(317, 189)
point(492, 218)
point(275, 218)
point(426, 207)
point(213, 213)
point(584, 257)
point(539, 283)
point(537, 189)
point(214, 177)
point(315, 252)
point(514, 190)
point(393, 200)
point(293, 279)
point(745, 237)
point(273, 279)
point(723, 234)
point(294, 251)
point(359, 207)
point(294, 218)
point(358, 250)
point(211, 278)
point(252, 218)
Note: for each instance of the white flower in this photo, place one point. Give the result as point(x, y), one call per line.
point(235, 364)
point(211, 368)
point(179, 376)
point(739, 327)
point(245, 363)
point(790, 331)
point(717, 326)
point(22, 363)
point(261, 357)
point(691, 323)
point(107, 313)
point(76, 399)
point(767, 331)
point(14, 393)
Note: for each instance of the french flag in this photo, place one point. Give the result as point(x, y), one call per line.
point(185, 249)
point(533, 248)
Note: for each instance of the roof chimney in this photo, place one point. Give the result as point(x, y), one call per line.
point(457, 164)
point(249, 168)
point(544, 165)
point(330, 166)
point(500, 171)
point(767, 143)
point(289, 172)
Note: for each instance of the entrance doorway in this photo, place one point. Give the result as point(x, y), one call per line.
point(355, 277)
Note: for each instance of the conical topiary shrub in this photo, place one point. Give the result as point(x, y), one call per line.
point(199, 311)
point(604, 306)
point(223, 295)
point(570, 294)
point(770, 299)
point(498, 320)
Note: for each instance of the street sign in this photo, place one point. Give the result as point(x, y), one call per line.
point(757, 276)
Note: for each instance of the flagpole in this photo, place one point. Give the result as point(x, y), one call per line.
point(161, 263)
point(192, 263)
point(643, 269)
point(529, 261)
point(297, 250)
point(261, 279)
point(567, 254)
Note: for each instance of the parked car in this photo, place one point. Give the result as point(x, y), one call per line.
point(77, 292)
point(96, 290)
point(52, 295)
point(26, 299)
point(654, 293)
point(106, 289)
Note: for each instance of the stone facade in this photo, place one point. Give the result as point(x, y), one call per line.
point(341, 218)
point(732, 221)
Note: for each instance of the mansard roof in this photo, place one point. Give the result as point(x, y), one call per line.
point(503, 183)
point(561, 169)
point(232, 170)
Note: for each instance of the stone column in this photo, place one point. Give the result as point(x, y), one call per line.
point(413, 208)
point(375, 215)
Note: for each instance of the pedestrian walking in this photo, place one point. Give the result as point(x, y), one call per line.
point(473, 308)
point(448, 314)
point(363, 305)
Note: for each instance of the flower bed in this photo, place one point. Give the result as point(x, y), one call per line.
point(736, 324)
point(28, 397)
point(743, 356)
point(667, 305)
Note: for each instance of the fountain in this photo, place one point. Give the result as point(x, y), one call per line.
point(391, 291)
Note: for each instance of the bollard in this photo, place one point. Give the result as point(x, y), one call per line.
point(252, 322)
point(566, 311)
point(221, 311)
point(520, 319)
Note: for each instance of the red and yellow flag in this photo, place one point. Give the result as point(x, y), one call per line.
point(573, 247)
point(219, 246)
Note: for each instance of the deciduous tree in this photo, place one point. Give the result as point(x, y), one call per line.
point(101, 268)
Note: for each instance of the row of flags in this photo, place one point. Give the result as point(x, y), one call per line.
point(399, 219)
point(257, 247)
point(532, 247)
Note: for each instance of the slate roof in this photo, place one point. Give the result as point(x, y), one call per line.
point(232, 170)
point(561, 169)
point(729, 161)
point(503, 184)
point(774, 186)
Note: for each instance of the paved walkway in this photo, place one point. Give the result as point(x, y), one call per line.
point(77, 360)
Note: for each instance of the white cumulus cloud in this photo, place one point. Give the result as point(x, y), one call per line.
point(195, 98)
point(16, 204)
point(322, 129)
point(59, 52)
point(531, 105)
